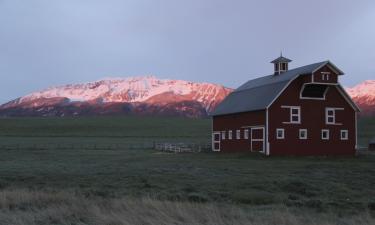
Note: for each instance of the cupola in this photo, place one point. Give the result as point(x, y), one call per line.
point(281, 64)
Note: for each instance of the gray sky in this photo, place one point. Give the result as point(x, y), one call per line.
point(52, 42)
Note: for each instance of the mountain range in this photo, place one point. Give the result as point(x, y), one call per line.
point(146, 95)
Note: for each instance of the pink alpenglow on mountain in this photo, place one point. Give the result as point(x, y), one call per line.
point(364, 95)
point(135, 95)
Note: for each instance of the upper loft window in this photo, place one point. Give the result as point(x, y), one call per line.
point(325, 76)
point(314, 91)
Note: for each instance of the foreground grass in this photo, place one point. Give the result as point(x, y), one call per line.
point(341, 184)
point(19, 207)
point(85, 185)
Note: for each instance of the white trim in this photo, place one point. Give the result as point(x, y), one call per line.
point(348, 98)
point(223, 135)
point(286, 86)
point(246, 134)
point(330, 84)
point(267, 142)
point(333, 109)
point(291, 114)
point(303, 87)
point(277, 133)
point(300, 131)
point(252, 126)
point(253, 140)
point(238, 134)
point(356, 131)
point(215, 142)
point(230, 134)
point(332, 67)
point(324, 130)
point(346, 137)
point(325, 75)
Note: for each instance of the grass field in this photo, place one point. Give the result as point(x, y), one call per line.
point(142, 186)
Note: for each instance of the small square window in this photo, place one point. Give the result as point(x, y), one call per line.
point(238, 134)
point(230, 135)
point(325, 134)
point(222, 135)
point(246, 134)
point(280, 133)
point(302, 133)
point(344, 135)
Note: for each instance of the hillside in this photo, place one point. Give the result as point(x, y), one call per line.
point(135, 95)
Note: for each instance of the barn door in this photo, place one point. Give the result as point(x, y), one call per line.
point(257, 139)
point(216, 141)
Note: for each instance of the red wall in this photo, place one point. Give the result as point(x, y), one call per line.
point(333, 77)
point(234, 122)
point(312, 119)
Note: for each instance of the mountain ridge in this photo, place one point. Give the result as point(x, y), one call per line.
point(143, 95)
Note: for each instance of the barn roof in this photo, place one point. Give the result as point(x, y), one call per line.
point(259, 93)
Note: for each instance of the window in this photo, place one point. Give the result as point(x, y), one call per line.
point(302, 133)
point(280, 133)
point(315, 91)
point(330, 116)
point(222, 135)
point(238, 134)
point(295, 115)
point(344, 135)
point(246, 134)
point(325, 75)
point(230, 135)
point(325, 134)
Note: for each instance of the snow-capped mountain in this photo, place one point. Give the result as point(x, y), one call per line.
point(134, 95)
point(364, 95)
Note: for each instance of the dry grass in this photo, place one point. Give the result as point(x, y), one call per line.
point(32, 207)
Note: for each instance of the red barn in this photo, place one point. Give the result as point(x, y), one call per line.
point(302, 111)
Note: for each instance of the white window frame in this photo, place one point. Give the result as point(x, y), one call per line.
point(325, 76)
point(230, 134)
point(346, 137)
point(282, 130)
point(303, 87)
point(223, 135)
point(291, 114)
point(325, 138)
point(300, 132)
point(238, 134)
point(246, 134)
point(333, 116)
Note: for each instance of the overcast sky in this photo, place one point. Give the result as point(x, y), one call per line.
point(46, 43)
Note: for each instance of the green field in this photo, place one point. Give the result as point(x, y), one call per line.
point(38, 170)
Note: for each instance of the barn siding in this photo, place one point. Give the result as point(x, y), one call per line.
point(234, 122)
point(312, 119)
point(333, 77)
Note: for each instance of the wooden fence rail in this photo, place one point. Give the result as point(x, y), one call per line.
point(167, 147)
point(182, 147)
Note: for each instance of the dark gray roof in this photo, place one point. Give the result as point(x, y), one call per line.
point(281, 59)
point(258, 94)
point(372, 141)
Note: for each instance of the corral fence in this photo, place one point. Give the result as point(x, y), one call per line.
point(155, 145)
point(365, 151)
point(77, 146)
point(182, 147)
